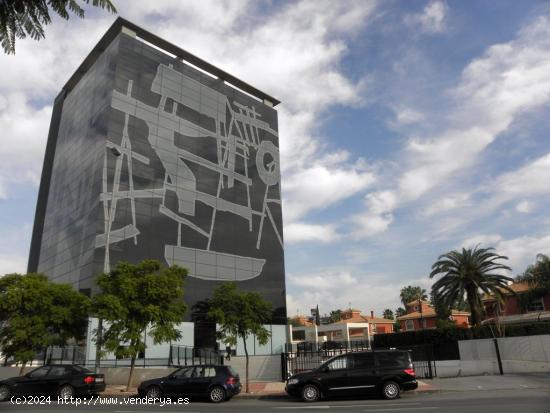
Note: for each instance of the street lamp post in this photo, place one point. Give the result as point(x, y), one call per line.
point(106, 268)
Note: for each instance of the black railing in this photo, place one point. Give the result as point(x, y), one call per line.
point(293, 362)
point(176, 356)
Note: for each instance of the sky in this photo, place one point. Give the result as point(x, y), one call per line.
point(407, 129)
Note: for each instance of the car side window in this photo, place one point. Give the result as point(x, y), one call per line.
point(208, 372)
point(184, 373)
point(40, 372)
point(57, 371)
point(363, 361)
point(339, 363)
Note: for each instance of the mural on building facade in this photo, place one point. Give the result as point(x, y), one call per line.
point(244, 144)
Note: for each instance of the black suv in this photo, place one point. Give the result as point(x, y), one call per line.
point(367, 372)
point(218, 383)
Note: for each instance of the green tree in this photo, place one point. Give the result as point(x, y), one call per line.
point(537, 275)
point(240, 314)
point(22, 18)
point(139, 297)
point(412, 293)
point(469, 273)
point(400, 312)
point(36, 313)
point(388, 314)
point(335, 316)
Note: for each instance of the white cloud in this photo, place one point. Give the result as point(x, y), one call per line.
point(377, 217)
point(295, 232)
point(495, 89)
point(447, 203)
point(407, 116)
point(521, 251)
point(525, 207)
point(24, 131)
point(432, 19)
point(323, 281)
point(319, 186)
point(10, 264)
point(342, 289)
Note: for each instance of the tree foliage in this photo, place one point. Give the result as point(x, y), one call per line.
point(240, 314)
point(469, 273)
point(22, 18)
point(388, 314)
point(400, 312)
point(412, 293)
point(537, 275)
point(139, 297)
point(335, 316)
point(36, 313)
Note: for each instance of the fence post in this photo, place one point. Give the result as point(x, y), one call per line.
point(283, 367)
point(74, 355)
point(499, 360)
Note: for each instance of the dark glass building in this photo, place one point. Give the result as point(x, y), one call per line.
point(153, 153)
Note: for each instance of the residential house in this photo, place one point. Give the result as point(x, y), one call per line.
point(421, 315)
point(514, 309)
point(352, 327)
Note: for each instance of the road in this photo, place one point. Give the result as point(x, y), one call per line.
point(497, 401)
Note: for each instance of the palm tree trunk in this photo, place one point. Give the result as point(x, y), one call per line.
point(473, 302)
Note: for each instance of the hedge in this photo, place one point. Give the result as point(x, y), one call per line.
point(443, 336)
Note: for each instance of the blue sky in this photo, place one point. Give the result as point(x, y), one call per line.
point(408, 128)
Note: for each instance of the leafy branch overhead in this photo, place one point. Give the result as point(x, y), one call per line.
point(22, 18)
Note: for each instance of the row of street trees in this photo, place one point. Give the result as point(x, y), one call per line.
point(36, 313)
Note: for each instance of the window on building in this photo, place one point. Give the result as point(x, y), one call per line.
point(299, 335)
point(424, 323)
point(536, 304)
point(409, 325)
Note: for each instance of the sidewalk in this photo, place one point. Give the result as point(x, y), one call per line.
point(453, 384)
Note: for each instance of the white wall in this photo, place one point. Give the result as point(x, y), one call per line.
point(528, 354)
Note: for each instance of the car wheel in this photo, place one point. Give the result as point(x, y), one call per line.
point(66, 391)
point(390, 390)
point(216, 394)
point(5, 393)
point(310, 393)
point(153, 392)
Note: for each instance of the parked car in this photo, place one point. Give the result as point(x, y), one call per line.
point(62, 380)
point(383, 373)
point(331, 348)
point(305, 347)
point(218, 383)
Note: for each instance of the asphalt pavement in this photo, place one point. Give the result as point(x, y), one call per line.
point(489, 401)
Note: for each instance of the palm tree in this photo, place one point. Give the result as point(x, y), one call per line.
point(412, 293)
point(538, 274)
point(388, 314)
point(469, 273)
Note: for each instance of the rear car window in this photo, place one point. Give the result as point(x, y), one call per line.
point(232, 371)
point(58, 371)
point(390, 359)
point(81, 369)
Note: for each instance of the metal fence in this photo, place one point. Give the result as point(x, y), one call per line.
point(309, 358)
point(176, 356)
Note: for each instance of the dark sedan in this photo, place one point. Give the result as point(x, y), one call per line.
point(62, 380)
point(218, 383)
